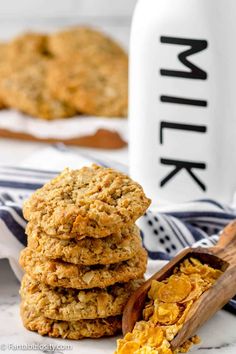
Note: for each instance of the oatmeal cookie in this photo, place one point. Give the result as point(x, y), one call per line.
point(17, 55)
point(26, 90)
point(28, 44)
point(68, 275)
point(72, 304)
point(93, 201)
point(92, 87)
point(4, 55)
point(2, 104)
point(88, 251)
point(35, 321)
point(85, 42)
point(9, 64)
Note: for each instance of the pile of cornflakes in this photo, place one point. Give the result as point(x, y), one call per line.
point(167, 306)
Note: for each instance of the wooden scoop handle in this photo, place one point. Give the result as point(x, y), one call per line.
point(226, 246)
point(220, 293)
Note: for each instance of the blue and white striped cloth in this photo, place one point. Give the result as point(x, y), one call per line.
point(164, 232)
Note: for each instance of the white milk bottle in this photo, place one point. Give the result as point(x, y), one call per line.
point(183, 99)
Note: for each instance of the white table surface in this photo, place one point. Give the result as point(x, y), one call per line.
point(218, 335)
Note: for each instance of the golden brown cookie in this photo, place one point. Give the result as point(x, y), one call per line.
point(91, 85)
point(35, 321)
point(9, 64)
point(93, 201)
point(89, 251)
point(26, 90)
point(28, 44)
point(19, 53)
point(84, 41)
point(4, 55)
point(72, 304)
point(2, 104)
point(4, 52)
point(68, 275)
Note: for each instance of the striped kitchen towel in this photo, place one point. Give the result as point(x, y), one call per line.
point(165, 231)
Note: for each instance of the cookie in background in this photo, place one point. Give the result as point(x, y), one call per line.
point(78, 71)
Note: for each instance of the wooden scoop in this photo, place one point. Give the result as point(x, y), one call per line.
point(223, 257)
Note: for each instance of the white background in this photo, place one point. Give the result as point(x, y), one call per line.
point(111, 15)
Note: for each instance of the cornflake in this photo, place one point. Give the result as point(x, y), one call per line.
point(167, 306)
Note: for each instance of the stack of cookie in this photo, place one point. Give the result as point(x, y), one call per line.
point(84, 256)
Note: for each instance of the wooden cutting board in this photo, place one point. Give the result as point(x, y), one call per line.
point(102, 139)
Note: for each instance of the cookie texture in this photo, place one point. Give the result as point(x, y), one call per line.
point(4, 55)
point(28, 44)
point(93, 88)
point(35, 321)
point(68, 275)
point(78, 71)
point(84, 41)
point(93, 201)
point(26, 90)
point(8, 62)
point(88, 251)
point(72, 304)
point(20, 53)
point(2, 104)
